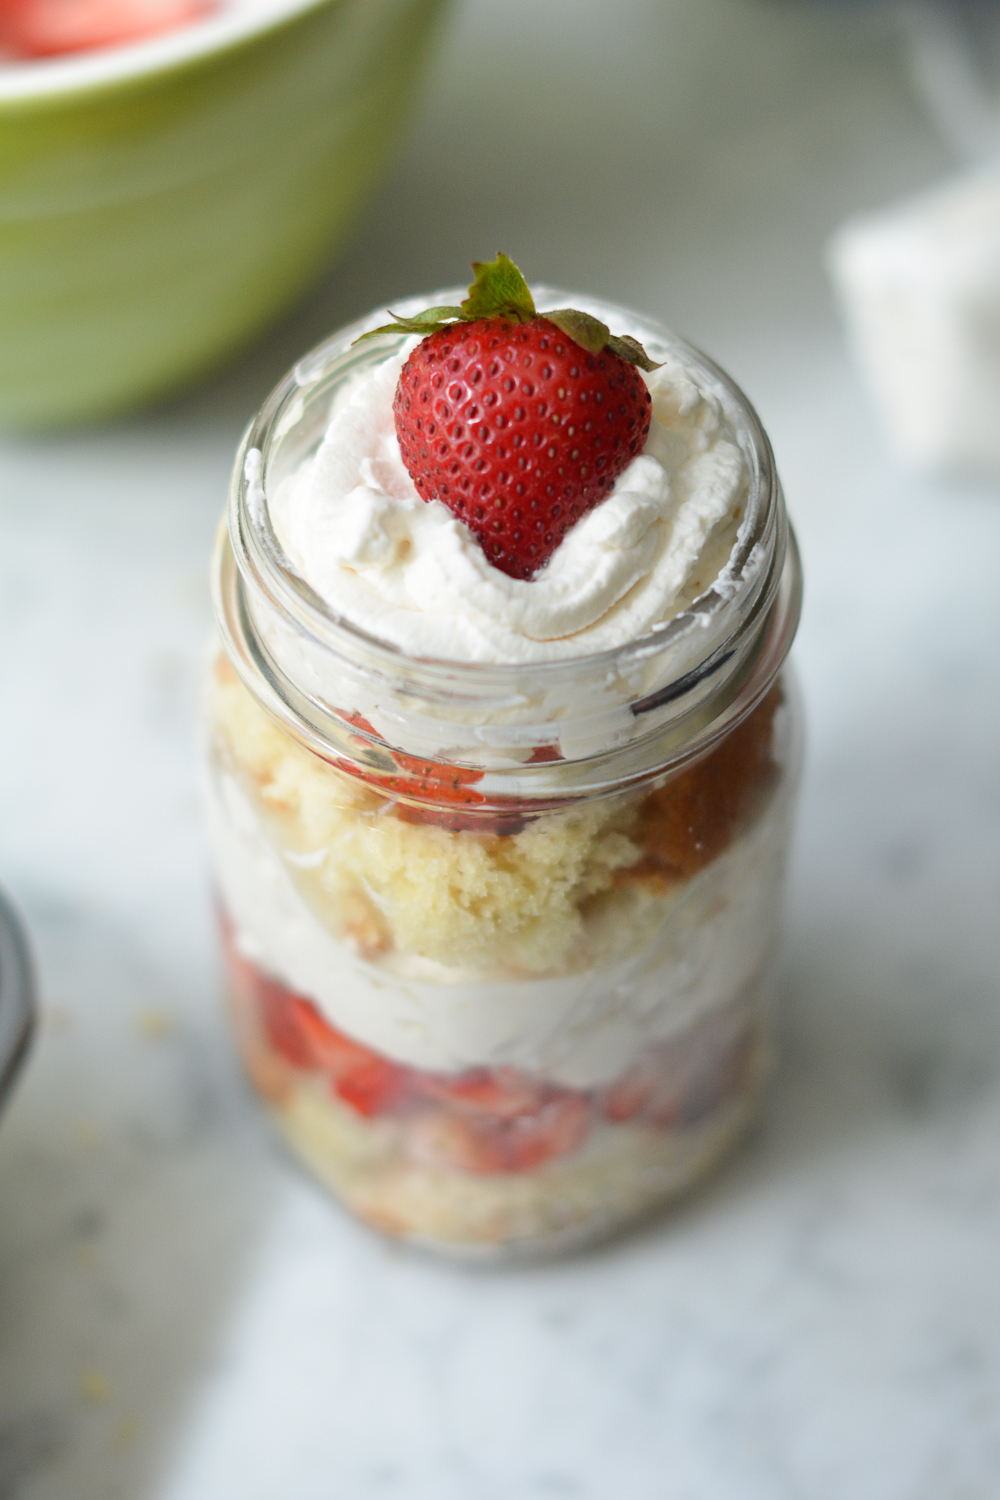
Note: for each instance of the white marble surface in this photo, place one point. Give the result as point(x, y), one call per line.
point(182, 1316)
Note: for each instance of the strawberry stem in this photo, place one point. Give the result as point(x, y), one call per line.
point(500, 291)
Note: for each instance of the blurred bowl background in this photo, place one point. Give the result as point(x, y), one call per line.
point(161, 203)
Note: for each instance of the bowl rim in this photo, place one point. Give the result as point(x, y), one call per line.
point(52, 79)
point(18, 994)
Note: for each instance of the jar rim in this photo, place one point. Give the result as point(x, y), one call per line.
point(255, 533)
point(712, 636)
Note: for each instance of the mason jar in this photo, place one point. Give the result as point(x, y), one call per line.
point(499, 937)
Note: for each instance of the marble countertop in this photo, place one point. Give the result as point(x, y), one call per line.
point(183, 1316)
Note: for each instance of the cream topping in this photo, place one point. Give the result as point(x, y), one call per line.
point(407, 571)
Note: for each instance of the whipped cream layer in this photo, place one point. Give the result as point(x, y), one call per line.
point(579, 1029)
point(408, 572)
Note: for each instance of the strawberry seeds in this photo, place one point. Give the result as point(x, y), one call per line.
point(518, 422)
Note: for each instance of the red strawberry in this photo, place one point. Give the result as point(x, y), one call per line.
point(496, 1120)
point(474, 1143)
point(375, 1087)
point(499, 1093)
point(421, 778)
point(357, 718)
point(370, 1083)
point(679, 1083)
point(281, 1023)
point(439, 783)
point(518, 422)
point(542, 753)
point(46, 28)
point(450, 784)
point(432, 778)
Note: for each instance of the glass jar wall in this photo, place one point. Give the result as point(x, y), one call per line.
point(499, 938)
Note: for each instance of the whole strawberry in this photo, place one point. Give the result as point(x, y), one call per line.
point(518, 422)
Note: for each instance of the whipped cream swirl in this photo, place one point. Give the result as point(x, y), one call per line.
point(407, 571)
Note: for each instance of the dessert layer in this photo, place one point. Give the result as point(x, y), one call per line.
point(565, 950)
point(623, 1172)
point(384, 883)
point(494, 1159)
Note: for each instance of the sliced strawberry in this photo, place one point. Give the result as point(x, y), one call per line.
point(376, 1087)
point(432, 778)
point(281, 1023)
point(294, 1028)
point(453, 785)
point(369, 733)
point(712, 1086)
point(360, 722)
point(542, 753)
point(439, 783)
point(678, 1083)
point(47, 28)
point(475, 1143)
point(487, 1120)
point(370, 1083)
point(627, 1098)
point(328, 1049)
point(466, 810)
point(260, 996)
point(500, 1093)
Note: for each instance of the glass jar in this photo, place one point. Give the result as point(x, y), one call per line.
point(499, 937)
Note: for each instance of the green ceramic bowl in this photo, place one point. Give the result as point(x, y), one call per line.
point(160, 203)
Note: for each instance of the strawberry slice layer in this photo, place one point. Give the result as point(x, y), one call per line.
point(48, 28)
point(453, 785)
point(482, 1120)
point(480, 1143)
point(490, 1093)
point(492, 1119)
point(370, 1084)
point(679, 1083)
point(452, 801)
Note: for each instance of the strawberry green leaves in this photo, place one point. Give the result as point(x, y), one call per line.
point(631, 351)
point(428, 321)
point(500, 291)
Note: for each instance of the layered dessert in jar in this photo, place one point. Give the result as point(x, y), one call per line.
point(500, 765)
